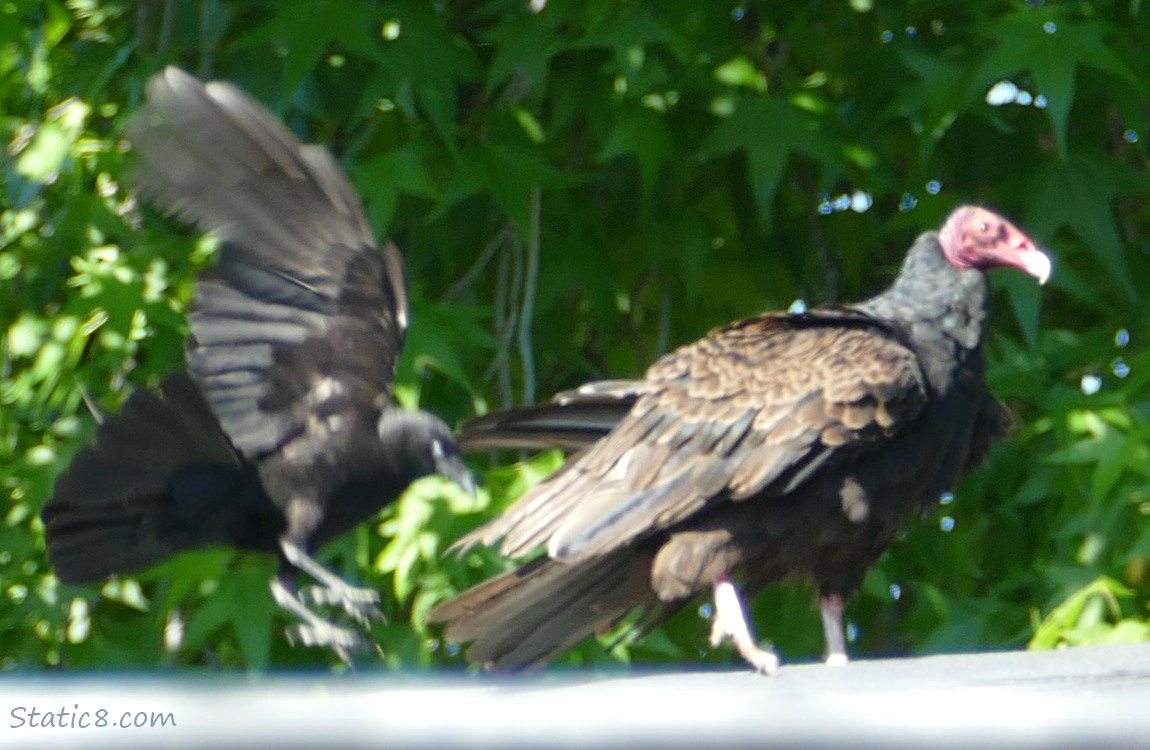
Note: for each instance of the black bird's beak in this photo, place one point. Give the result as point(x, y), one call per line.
point(454, 469)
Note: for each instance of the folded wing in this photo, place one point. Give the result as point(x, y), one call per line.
point(753, 408)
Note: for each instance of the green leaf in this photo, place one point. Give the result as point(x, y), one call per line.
point(382, 178)
point(740, 71)
point(424, 65)
point(626, 32)
point(53, 142)
point(1079, 193)
point(1051, 48)
point(509, 173)
point(308, 29)
point(643, 134)
point(254, 619)
point(933, 100)
point(434, 340)
point(524, 46)
point(531, 127)
point(1026, 299)
point(242, 600)
point(768, 130)
point(1080, 618)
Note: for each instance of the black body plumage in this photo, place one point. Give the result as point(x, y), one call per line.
point(280, 435)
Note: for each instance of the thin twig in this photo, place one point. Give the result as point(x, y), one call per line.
point(664, 324)
point(480, 263)
point(167, 22)
point(829, 270)
point(499, 364)
point(507, 290)
point(530, 283)
point(499, 368)
point(90, 402)
point(143, 26)
point(207, 43)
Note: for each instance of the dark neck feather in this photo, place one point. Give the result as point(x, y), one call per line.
point(381, 468)
point(939, 308)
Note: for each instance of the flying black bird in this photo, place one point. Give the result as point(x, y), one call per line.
point(781, 445)
point(280, 435)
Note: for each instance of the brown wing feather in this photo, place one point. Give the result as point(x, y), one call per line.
point(524, 617)
point(574, 419)
point(750, 408)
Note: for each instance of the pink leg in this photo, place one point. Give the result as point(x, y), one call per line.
point(731, 622)
point(831, 606)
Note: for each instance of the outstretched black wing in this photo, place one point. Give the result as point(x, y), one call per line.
point(296, 332)
point(160, 478)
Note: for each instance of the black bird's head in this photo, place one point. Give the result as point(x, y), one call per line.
point(421, 444)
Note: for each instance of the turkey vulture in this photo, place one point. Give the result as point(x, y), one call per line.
point(280, 435)
point(786, 444)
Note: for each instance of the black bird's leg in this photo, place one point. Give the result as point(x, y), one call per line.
point(731, 622)
point(313, 630)
point(831, 607)
point(360, 603)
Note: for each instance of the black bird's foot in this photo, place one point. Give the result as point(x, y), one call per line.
point(315, 630)
point(731, 622)
point(332, 590)
point(324, 634)
point(359, 603)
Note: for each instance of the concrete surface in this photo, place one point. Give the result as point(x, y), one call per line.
point(1088, 697)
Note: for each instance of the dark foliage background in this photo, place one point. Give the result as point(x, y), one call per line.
point(577, 190)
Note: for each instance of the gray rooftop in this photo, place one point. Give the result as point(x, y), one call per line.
point(1086, 697)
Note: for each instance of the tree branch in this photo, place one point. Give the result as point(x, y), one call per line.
point(530, 283)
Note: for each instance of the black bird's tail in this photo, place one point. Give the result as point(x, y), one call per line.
point(160, 478)
point(574, 419)
point(525, 617)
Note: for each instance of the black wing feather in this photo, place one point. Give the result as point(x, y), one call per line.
point(303, 313)
point(122, 504)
